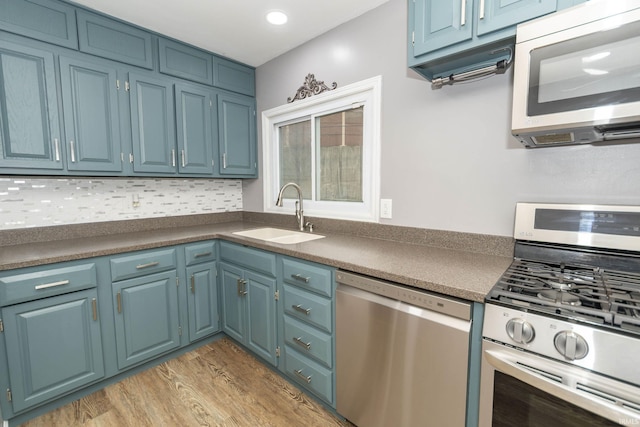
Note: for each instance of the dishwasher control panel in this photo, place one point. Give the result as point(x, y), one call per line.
point(419, 298)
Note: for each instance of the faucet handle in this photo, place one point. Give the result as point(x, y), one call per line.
point(309, 225)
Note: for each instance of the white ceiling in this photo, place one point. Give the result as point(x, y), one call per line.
point(236, 29)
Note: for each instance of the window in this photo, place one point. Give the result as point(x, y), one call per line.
point(329, 145)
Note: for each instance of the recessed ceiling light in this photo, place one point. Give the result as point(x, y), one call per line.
point(277, 17)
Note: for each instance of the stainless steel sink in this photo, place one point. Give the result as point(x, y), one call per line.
point(278, 235)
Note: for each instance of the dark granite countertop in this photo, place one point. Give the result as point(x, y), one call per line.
point(456, 272)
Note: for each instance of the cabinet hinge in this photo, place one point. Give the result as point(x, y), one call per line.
point(118, 84)
point(179, 330)
point(413, 38)
point(122, 157)
point(126, 86)
point(9, 397)
point(1, 326)
point(277, 296)
point(278, 351)
point(131, 158)
point(177, 281)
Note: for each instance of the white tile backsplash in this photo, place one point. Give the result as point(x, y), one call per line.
point(38, 202)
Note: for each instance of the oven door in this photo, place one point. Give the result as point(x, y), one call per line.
point(521, 389)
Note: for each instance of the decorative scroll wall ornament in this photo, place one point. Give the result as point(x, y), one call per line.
point(311, 87)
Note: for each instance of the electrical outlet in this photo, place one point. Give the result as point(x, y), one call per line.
point(385, 208)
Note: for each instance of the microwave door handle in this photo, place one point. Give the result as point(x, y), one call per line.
point(559, 390)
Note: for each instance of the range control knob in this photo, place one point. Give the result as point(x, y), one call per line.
point(571, 345)
point(520, 331)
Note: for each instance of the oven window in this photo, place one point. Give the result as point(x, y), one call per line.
point(516, 403)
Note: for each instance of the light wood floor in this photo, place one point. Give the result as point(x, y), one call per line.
point(218, 384)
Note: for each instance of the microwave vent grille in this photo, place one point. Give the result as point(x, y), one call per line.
point(554, 138)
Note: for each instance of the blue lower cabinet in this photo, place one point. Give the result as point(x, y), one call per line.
point(202, 300)
point(146, 317)
point(249, 308)
point(53, 345)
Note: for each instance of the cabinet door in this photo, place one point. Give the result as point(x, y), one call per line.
point(202, 300)
point(152, 123)
point(29, 128)
point(261, 315)
point(53, 346)
point(146, 317)
point(92, 127)
point(236, 135)
point(233, 323)
point(498, 14)
point(441, 23)
point(193, 121)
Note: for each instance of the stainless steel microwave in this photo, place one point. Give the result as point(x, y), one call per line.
point(577, 75)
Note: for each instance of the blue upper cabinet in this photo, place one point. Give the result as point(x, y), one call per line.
point(452, 36)
point(110, 39)
point(441, 23)
point(152, 124)
point(29, 126)
point(177, 59)
point(235, 77)
point(194, 106)
point(46, 20)
point(236, 135)
point(92, 127)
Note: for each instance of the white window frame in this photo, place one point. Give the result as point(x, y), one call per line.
point(367, 93)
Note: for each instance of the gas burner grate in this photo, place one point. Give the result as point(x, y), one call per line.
point(579, 292)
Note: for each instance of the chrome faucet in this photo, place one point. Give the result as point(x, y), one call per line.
point(299, 211)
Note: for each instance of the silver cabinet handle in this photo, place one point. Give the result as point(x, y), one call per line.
point(56, 147)
point(305, 345)
point(301, 310)
point(299, 374)
point(72, 147)
point(119, 302)
point(242, 287)
point(173, 157)
point(224, 160)
point(183, 159)
point(481, 9)
point(147, 265)
point(94, 308)
point(52, 284)
point(463, 12)
point(300, 278)
point(201, 254)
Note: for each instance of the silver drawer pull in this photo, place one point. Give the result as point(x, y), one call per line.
point(52, 284)
point(300, 309)
point(300, 278)
point(299, 374)
point(147, 265)
point(306, 345)
point(201, 254)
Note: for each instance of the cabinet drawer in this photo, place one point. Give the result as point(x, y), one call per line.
point(255, 259)
point(46, 20)
point(309, 374)
point(40, 283)
point(125, 267)
point(310, 308)
point(200, 252)
point(114, 40)
point(179, 60)
point(308, 341)
point(307, 276)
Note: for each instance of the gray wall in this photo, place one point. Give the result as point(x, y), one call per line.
point(448, 159)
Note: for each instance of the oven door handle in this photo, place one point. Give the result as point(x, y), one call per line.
point(587, 401)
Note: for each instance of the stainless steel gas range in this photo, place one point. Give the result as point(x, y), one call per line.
point(561, 332)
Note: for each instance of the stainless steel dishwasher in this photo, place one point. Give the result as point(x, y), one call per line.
point(401, 354)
